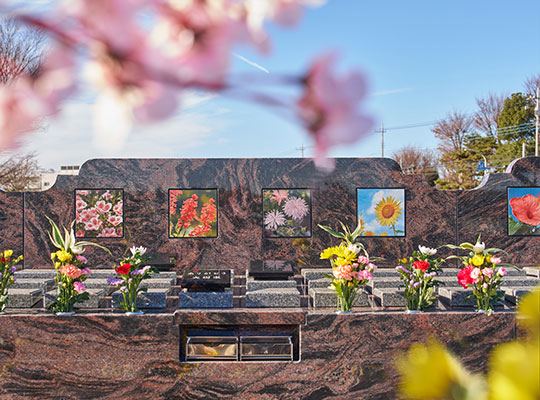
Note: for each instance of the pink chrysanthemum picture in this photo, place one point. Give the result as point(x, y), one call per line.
point(99, 213)
point(286, 213)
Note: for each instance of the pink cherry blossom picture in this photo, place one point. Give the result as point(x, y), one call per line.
point(99, 213)
point(286, 213)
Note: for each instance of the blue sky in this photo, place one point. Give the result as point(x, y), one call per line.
point(423, 59)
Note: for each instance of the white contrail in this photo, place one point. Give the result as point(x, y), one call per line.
point(251, 63)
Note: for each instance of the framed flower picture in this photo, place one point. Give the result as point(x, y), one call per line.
point(286, 213)
point(99, 213)
point(193, 213)
point(381, 211)
point(524, 211)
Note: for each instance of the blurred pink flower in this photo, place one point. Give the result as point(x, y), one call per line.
point(329, 107)
point(296, 207)
point(274, 219)
point(363, 260)
point(80, 204)
point(501, 272)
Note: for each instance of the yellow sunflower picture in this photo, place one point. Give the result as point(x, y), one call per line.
point(382, 211)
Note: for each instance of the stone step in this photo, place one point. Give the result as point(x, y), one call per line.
point(315, 273)
point(30, 283)
point(253, 284)
point(92, 282)
point(319, 283)
point(23, 298)
point(532, 271)
point(154, 298)
point(451, 281)
point(324, 298)
point(389, 297)
point(206, 299)
point(110, 273)
point(514, 295)
point(95, 297)
point(273, 298)
point(36, 274)
point(455, 297)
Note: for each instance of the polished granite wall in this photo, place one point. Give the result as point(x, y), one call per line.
point(432, 217)
point(117, 356)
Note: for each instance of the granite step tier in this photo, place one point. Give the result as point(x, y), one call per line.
point(95, 300)
point(455, 297)
point(153, 282)
point(514, 295)
point(532, 271)
point(30, 283)
point(253, 284)
point(315, 273)
point(390, 297)
point(153, 298)
point(206, 299)
point(318, 283)
point(96, 273)
point(273, 298)
point(451, 281)
point(326, 298)
point(24, 297)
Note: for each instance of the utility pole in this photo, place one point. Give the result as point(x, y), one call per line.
point(301, 148)
point(382, 140)
point(537, 117)
point(523, 150)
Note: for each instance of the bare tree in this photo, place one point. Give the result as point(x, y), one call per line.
point(20, 173)
point(452, 131)
point(413, 160)
point(489, 108)
point(531, 84)
point(20, 50)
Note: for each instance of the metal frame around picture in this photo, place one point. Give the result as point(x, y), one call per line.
point(310, 214)
point(404, 210)
point(508, 210)
point(169, 214)
point(123, 213)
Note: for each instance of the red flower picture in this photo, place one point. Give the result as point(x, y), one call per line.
point(193, 213)
point(523, 211)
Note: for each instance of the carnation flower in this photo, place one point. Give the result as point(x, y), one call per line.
point(79, 287)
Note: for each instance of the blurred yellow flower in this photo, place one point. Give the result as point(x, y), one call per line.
point(514, 371)
point(429, 371)
point(339, 254)
point(529, 312)
point(8, 253)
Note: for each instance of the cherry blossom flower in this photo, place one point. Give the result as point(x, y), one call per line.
point(296, 208)
point(80, 204)
point(93, 225)
point(274, 219)
point(119, 208)
point(330, 110)
point(114, 220)
point(102, 207)
point(107, 232)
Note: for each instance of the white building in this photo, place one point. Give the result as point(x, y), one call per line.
point(48, 178)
